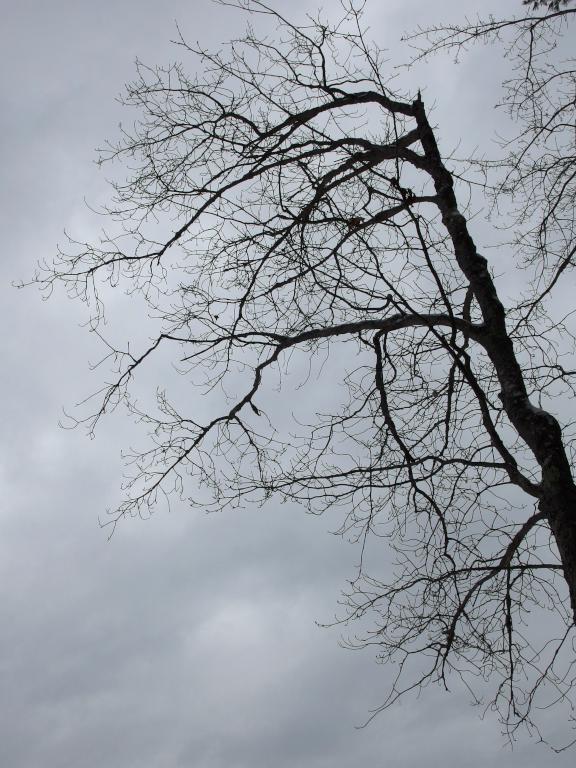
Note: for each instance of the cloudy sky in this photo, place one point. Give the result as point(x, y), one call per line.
point(186, 640)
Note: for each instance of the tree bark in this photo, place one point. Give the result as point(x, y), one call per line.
point(559, 504)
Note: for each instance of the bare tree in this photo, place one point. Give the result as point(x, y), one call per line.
point(288, 206)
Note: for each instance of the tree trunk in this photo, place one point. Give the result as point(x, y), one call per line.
point(559, 505)
point(538, 428)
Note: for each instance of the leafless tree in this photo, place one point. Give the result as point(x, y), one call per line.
point(287, 206)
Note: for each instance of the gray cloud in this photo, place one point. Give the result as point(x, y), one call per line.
point(186, 640)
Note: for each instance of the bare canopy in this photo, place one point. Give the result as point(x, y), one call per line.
point(282, 206)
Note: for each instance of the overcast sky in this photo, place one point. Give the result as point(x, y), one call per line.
point(186, 640)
